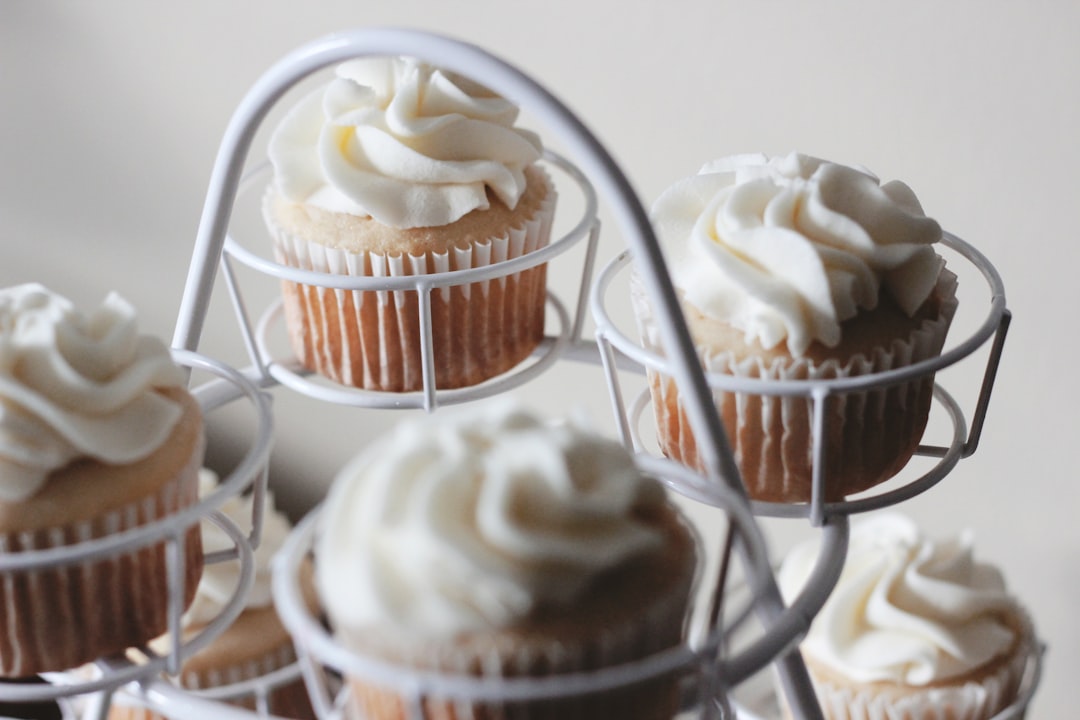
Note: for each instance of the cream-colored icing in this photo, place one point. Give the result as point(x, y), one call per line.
point(403, 142)
point(76, 385)
point(788, 248)
point(219, 580)
point(906, 609)
point(472, 518)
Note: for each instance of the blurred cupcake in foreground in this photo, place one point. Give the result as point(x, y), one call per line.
point(98, 436)
point(400, 168)
point(256, 644)
point(490, 543)
point(914, 630)
point(794, 268)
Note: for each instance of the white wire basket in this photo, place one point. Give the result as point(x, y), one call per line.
point(272, 367)
point(701, 665)
point(619, 349)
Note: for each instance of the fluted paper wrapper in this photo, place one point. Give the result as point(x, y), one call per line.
point(524, 657)
point(240, 671)
point(870, 435)
point(372, 339)
point(65, 616)
point(979, 698)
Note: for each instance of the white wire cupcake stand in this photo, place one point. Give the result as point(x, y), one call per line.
point(710, 666)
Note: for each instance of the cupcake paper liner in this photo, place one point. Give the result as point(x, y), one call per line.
point(871, 434)
point(372, 339)
point(62, 617)
point(656, 698)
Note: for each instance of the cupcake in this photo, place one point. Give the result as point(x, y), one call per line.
point(794, 268)
point(98, 435)
point(398, 168)
point(915, 629)
point(491, 544)
point(256, 643)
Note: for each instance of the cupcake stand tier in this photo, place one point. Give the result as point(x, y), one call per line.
point(715, 663)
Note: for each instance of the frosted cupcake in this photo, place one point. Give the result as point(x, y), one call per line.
point(916, 629)
point(399, 168)
point(256, 644)
point(489, 543)
point(794, 268)
point(97, 436)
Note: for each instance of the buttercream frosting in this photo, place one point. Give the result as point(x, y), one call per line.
point(787, 248)
point(403, 142)
point(219, 580)
point(906, 609)
point(473, 520)
point(75, 385)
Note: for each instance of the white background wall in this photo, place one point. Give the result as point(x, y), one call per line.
point(111, 113)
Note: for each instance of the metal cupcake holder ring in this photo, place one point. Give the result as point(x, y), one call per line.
point(110, 674)
point(268, 369)
point(963, 442)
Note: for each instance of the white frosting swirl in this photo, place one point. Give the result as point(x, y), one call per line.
point(75, 385)
point(906, 609)
point(219, 580)
point(403, 142)
point(471, 521)
point(788, 248)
